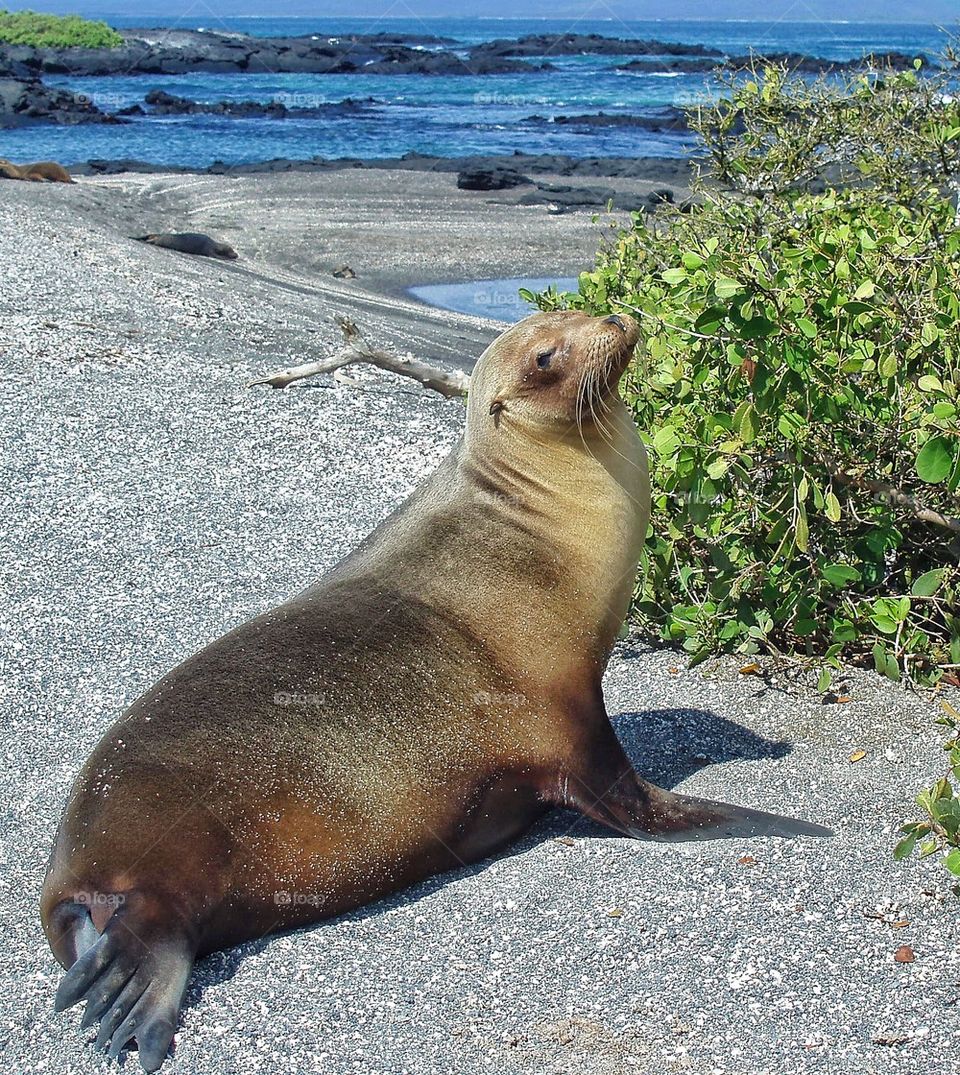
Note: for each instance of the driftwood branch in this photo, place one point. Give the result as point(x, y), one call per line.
point(448, 383)
point(897, 496)
point(881, 489)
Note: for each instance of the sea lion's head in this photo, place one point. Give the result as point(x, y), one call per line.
point(552, 370)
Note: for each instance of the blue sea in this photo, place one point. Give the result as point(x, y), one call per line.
point(445, 116)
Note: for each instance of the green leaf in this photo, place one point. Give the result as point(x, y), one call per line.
point(710, 320)
point(801, 535)
point(886, 663)
point(826, 678)
point(691, 260)
point(952, 862)
point(726, 287)
point(929, 334)
point(674, 276)
point(807, 327)
point(929, 383)
point(928, 584)
point(840, 575)
point(865, 291)
point(935, 460)
point(832, 508)
point(666, 442)
point(745, 422)
point(904, 848)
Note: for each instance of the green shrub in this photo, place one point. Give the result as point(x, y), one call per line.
point(940, 829)
point(799, 388)
point(55, 31)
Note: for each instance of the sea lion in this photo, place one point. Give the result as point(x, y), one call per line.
point(190, 242)
point(40, 172)
point(414, 710)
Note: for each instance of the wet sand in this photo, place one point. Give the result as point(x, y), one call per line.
point(395, 229)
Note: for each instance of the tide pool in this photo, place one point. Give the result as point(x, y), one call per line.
point(498, 300)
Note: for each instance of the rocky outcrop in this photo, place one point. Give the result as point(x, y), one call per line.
point(562, 198)
point(162, 103)
point(668, 169)
point(670, 120)
point(26, 101)
point(496, 177)
point(174, 52)
point(579, 44)
point(796, 61)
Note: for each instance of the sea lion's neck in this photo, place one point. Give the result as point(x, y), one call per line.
point(552, 525)
point(530, 542)
point(579, 499)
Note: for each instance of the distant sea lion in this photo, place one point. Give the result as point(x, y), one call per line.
point(41, 172)
point(190, 242)
point(414, 710)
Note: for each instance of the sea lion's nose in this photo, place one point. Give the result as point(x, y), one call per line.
point(614, 319)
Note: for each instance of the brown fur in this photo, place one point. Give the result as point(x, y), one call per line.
point(190, 242)
point(40, 172)
point(414, 710)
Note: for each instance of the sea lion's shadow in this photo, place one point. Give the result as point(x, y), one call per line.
point(665, 745)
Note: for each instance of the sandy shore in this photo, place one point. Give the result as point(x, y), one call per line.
point(394, 229)
point(150, 501)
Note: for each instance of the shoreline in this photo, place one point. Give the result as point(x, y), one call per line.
point(649, 168)
point(395, 229)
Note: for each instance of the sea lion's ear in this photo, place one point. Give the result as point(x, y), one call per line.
point(495, 409)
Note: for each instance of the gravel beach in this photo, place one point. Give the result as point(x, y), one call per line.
point(150, 501)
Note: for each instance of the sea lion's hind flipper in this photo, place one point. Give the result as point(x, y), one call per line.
point(642, 810)
point(133, 982)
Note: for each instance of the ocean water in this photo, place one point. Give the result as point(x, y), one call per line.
point(497, 299)
point(446, 116)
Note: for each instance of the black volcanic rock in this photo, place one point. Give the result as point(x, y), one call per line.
point(657, 169)
point(494, 178)
point(26, 101)
point(667, 119)
point(168, 104)
point(172, 52)
point(385, 38)
point(580, 44)
point(563, 198)
point(673, 65)
point(796, 61)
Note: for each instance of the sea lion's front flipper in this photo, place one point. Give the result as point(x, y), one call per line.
point(133, 978)
point(613, 794)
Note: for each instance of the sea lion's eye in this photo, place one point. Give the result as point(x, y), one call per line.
point(543, 359)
